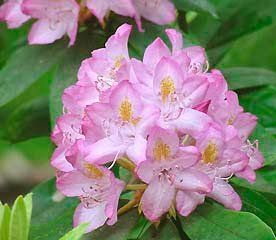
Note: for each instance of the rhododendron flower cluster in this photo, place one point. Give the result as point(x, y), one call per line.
point(58, 18)
point(168, 119)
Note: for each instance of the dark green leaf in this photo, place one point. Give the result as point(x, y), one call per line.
point(196, 5)
point(166, 230)
point(25, 66)
point(253, 50)
point(140, 228)
point(216, 223)
point(257, 204)
point(264, 183)
point(50, 219)
point(237, 18)
point(242, 77)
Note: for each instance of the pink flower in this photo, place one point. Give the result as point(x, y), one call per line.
point(166, 115)
point(107, 65)
point(222, 157)
point(55, 19)
point(98, 190)
point(158, 11)
point(11, 12)
point(169, 172)
point(123, 123)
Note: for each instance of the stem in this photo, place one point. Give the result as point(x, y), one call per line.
point(136, 187)
point(126, 163)
point(127, 207)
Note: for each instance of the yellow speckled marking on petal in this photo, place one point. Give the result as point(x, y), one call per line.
point(161, 151)
point(231, 120)
point(118, 62)
point(210, 153)
point(93, 171)
point(167, 87)
point(125, 110)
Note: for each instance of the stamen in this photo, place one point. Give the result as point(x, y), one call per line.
point(114, 160)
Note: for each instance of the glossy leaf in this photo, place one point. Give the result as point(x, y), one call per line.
point(28, 201)
point(34, 61)
point(18, 222)
point(253, 50)
point(196, 5)
point(140, 228)
point(242, 77)
point(76, 233)
point(257, 204)
point(214, 222)
point(51, 218)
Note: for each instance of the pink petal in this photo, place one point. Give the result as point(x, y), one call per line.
point(186, 202)
point(192, 122)
point(74, 183)
point(157, 198)
point(99, 8)
point(137, 151)
point(248, 174)
point(187, 156)
point(167, 137)
point(176, 39)
point(226, 195)
point(145, 171)
point(94, 216)
point(193, 180)
point(154, 52)
point(165, 68)
point(59, 161)
point(159, 12)
point(44, 32)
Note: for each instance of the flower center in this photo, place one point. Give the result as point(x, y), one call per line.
point(161, 151)
point(210, 154)
point(118, 62)
point(93, 171)
point(125, 110)
point(167, 88)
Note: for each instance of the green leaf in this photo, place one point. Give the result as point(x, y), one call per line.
point(76, 233)
point(5, 222)
point(140, 228)
point(25, 66)
point(166, 230)
point(257, 204)
point(242, 77)
point(237, 18)
point(18, 222)
point(51, 219)
point(253, 50)
point(216, 223)
point(263, 183)
point(29, 207)
point(196, 5)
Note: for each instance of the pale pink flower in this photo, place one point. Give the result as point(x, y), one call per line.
point(11, 13)
point(169, 172)
point(158, 11)
point(98, 190)
point(222, 157)
point(107, 65)
point(123, 123)
point(55, 19)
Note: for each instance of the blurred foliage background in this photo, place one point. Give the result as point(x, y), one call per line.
point(240, 39)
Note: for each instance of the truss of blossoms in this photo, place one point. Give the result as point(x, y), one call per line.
point(54, 19)
point(173, 124)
